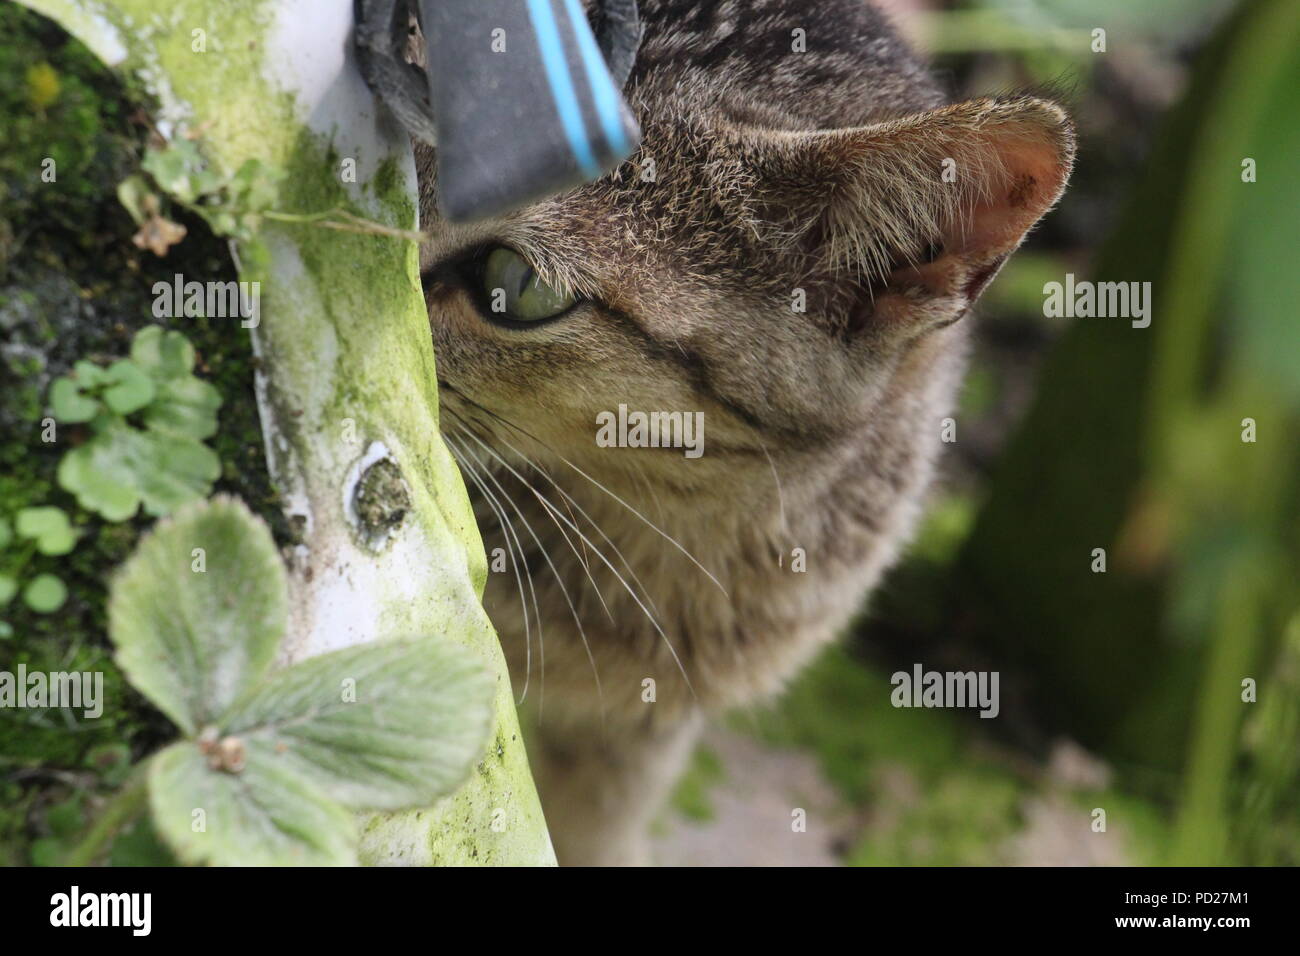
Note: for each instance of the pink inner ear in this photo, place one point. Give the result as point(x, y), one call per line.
point(1031, 179)
point(975, 247)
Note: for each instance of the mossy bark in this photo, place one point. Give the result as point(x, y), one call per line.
point(383, 543)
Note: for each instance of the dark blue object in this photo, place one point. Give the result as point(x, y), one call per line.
point(520, 103)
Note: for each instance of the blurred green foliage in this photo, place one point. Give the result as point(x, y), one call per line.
point(1132, 442)
point(1177, 450)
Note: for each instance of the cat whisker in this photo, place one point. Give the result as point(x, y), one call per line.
point(650, 489)
point(551, 511)
point(780, 493)
point(650, 524)
point(582, 561)
point(590, 520)
point(559, 579)
point(556, 515)
point(512, 543)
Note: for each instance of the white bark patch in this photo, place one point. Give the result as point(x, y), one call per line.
point(311, 54)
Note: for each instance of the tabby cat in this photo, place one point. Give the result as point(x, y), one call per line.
point(791, 252)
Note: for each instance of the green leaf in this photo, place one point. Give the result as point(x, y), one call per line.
point(181, 170)
point(164, 355)
point(111, 761)
point(193, 641)
point(136, 196)
point(6, 534)
point(185, 406)
point(88, 375)
point(1260, 265)
point(45, 594)
point(380, 726)
point(226, 223)
point(121, 466)
point(69, 404)
point(96, 475)
point(254, 186)
point(170, 170)
point(186, 471)
point(130, 389)
point(263, 816)
point(6, 630)
point(8, 588)
point(49, 526)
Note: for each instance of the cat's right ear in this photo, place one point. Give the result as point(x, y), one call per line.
point(925, 208)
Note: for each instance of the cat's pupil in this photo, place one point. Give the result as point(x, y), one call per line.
point(516, 291)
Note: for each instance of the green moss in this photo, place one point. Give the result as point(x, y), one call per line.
point(839, 709)
point(963, 819)
point(930, 785)
point(53, 110)
point(931, 795)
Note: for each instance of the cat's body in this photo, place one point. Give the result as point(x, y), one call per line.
point(682, 591)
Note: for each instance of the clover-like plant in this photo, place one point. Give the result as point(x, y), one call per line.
point(233, 205)
point(42, 530)
point(162, 461)
point(272, 761)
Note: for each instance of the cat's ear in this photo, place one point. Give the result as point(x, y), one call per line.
point(925, 208)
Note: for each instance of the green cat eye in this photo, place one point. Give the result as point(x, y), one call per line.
point(515, 291)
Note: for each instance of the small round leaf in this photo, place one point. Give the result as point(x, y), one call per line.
point(45, 594)
point(131, 388)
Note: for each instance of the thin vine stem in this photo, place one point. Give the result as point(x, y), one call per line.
point(350, 223)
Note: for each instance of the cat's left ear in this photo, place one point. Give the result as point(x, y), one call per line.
point(927, 207)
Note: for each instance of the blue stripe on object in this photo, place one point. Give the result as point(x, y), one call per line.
point(602, 87)
point(561, 83)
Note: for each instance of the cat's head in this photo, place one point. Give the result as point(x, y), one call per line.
point(792, 227)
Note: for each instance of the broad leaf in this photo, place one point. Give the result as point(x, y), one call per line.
point(265, 815)
point(193, 640)
point(180, 170)
point(185, 406)
point(122, 466)
point(381, 726)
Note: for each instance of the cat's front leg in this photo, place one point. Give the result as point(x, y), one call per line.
point(601, 785)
